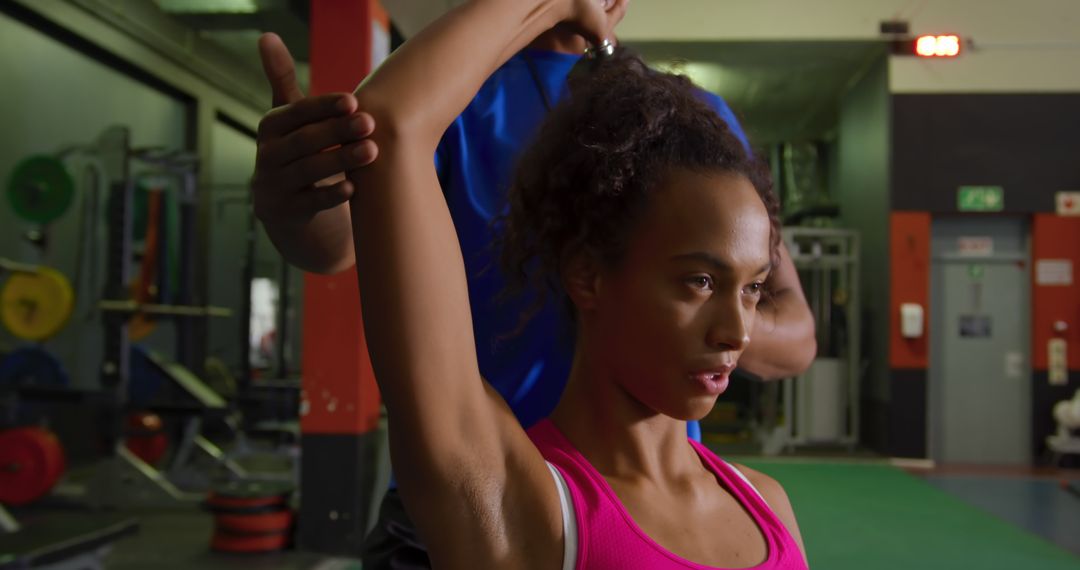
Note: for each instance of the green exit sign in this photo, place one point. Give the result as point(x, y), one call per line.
point(980, 199)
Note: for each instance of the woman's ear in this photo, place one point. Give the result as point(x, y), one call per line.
point(581, 280)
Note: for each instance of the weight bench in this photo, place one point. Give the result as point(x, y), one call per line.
point(64, 541)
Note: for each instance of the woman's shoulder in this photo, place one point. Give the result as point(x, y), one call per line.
point(770, 489)
point(775, 497)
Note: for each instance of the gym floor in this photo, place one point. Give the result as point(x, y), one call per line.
point(182, 540)
point(851, 512)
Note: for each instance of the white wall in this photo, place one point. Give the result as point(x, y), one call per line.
point(410, 16)
point(133, 31)
point(750, 20)
point(1019, 45)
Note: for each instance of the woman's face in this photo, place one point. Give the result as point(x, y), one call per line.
point(672, 319)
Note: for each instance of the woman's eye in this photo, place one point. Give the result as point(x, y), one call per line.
point(755, 289)
point(703, 282)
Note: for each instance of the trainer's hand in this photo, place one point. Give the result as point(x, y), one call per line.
point(596, 19)
point(305, 144)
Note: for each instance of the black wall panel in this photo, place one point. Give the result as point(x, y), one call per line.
point(907, 413)
point(1027, 143)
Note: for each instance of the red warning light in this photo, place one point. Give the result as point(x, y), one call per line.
point(937, 46)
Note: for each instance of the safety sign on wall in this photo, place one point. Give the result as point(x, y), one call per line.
point(980, 199)
point(975, 246)
point(1057, 361)
point(1054, 272)
point(976, 326)
point(1067, 203)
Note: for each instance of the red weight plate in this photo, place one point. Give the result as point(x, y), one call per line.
point(230, 543)
point(149, 448)
point(31, 462)
point(215, 500)
point(263, 523)
point(58, 461)
point(144, 437)
point(144, 423)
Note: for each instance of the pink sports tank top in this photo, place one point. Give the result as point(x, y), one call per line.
point(609, 539)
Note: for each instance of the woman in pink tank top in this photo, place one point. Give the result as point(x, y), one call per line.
point(638, 206)
point(606, 535)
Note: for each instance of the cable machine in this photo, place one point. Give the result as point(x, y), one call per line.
point(821, 407)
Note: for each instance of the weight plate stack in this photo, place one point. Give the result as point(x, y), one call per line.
point(223, 542)
point(249, 496)
point(251, 516)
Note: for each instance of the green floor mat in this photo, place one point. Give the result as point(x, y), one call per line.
point(860, 516)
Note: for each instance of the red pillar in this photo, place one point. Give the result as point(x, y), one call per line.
point(340, 400)
point(339, 391)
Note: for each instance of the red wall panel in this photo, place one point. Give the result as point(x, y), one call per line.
point(1055, 237)
point(909, 266)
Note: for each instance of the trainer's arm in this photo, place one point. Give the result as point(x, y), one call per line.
point(783, 343)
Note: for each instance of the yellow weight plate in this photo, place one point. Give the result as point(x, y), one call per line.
point(35, 306)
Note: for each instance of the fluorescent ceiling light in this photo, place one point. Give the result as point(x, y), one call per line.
point(708, 76)
point(209, 6)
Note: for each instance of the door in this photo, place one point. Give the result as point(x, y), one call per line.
point(980, 371)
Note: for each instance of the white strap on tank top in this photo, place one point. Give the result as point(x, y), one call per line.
point(747, 481)
point(569, 519)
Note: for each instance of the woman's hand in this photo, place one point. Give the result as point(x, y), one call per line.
point(595, 20)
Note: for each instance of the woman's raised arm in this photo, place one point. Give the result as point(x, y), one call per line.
point(476, 487)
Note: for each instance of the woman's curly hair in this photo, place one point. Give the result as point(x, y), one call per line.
point(589, 173)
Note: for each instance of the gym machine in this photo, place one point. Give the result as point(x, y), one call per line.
point(822, 406)
point(124, 478)
point(39, 301)
point(35, 303)
point(1064, 442)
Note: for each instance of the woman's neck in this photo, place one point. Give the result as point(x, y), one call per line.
point(619, 436)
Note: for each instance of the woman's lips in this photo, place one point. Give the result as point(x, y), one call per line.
point(714, 383)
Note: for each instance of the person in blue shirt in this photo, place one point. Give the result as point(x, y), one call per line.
point(476, 159)
point(301, 196)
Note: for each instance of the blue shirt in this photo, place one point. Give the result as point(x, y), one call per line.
point(475, 161)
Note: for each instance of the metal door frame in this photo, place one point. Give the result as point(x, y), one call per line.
point(935, 388)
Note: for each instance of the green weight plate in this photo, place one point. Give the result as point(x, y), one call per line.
point(40, 189)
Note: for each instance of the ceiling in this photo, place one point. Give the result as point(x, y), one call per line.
point(235, 25)
point(781, 91)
